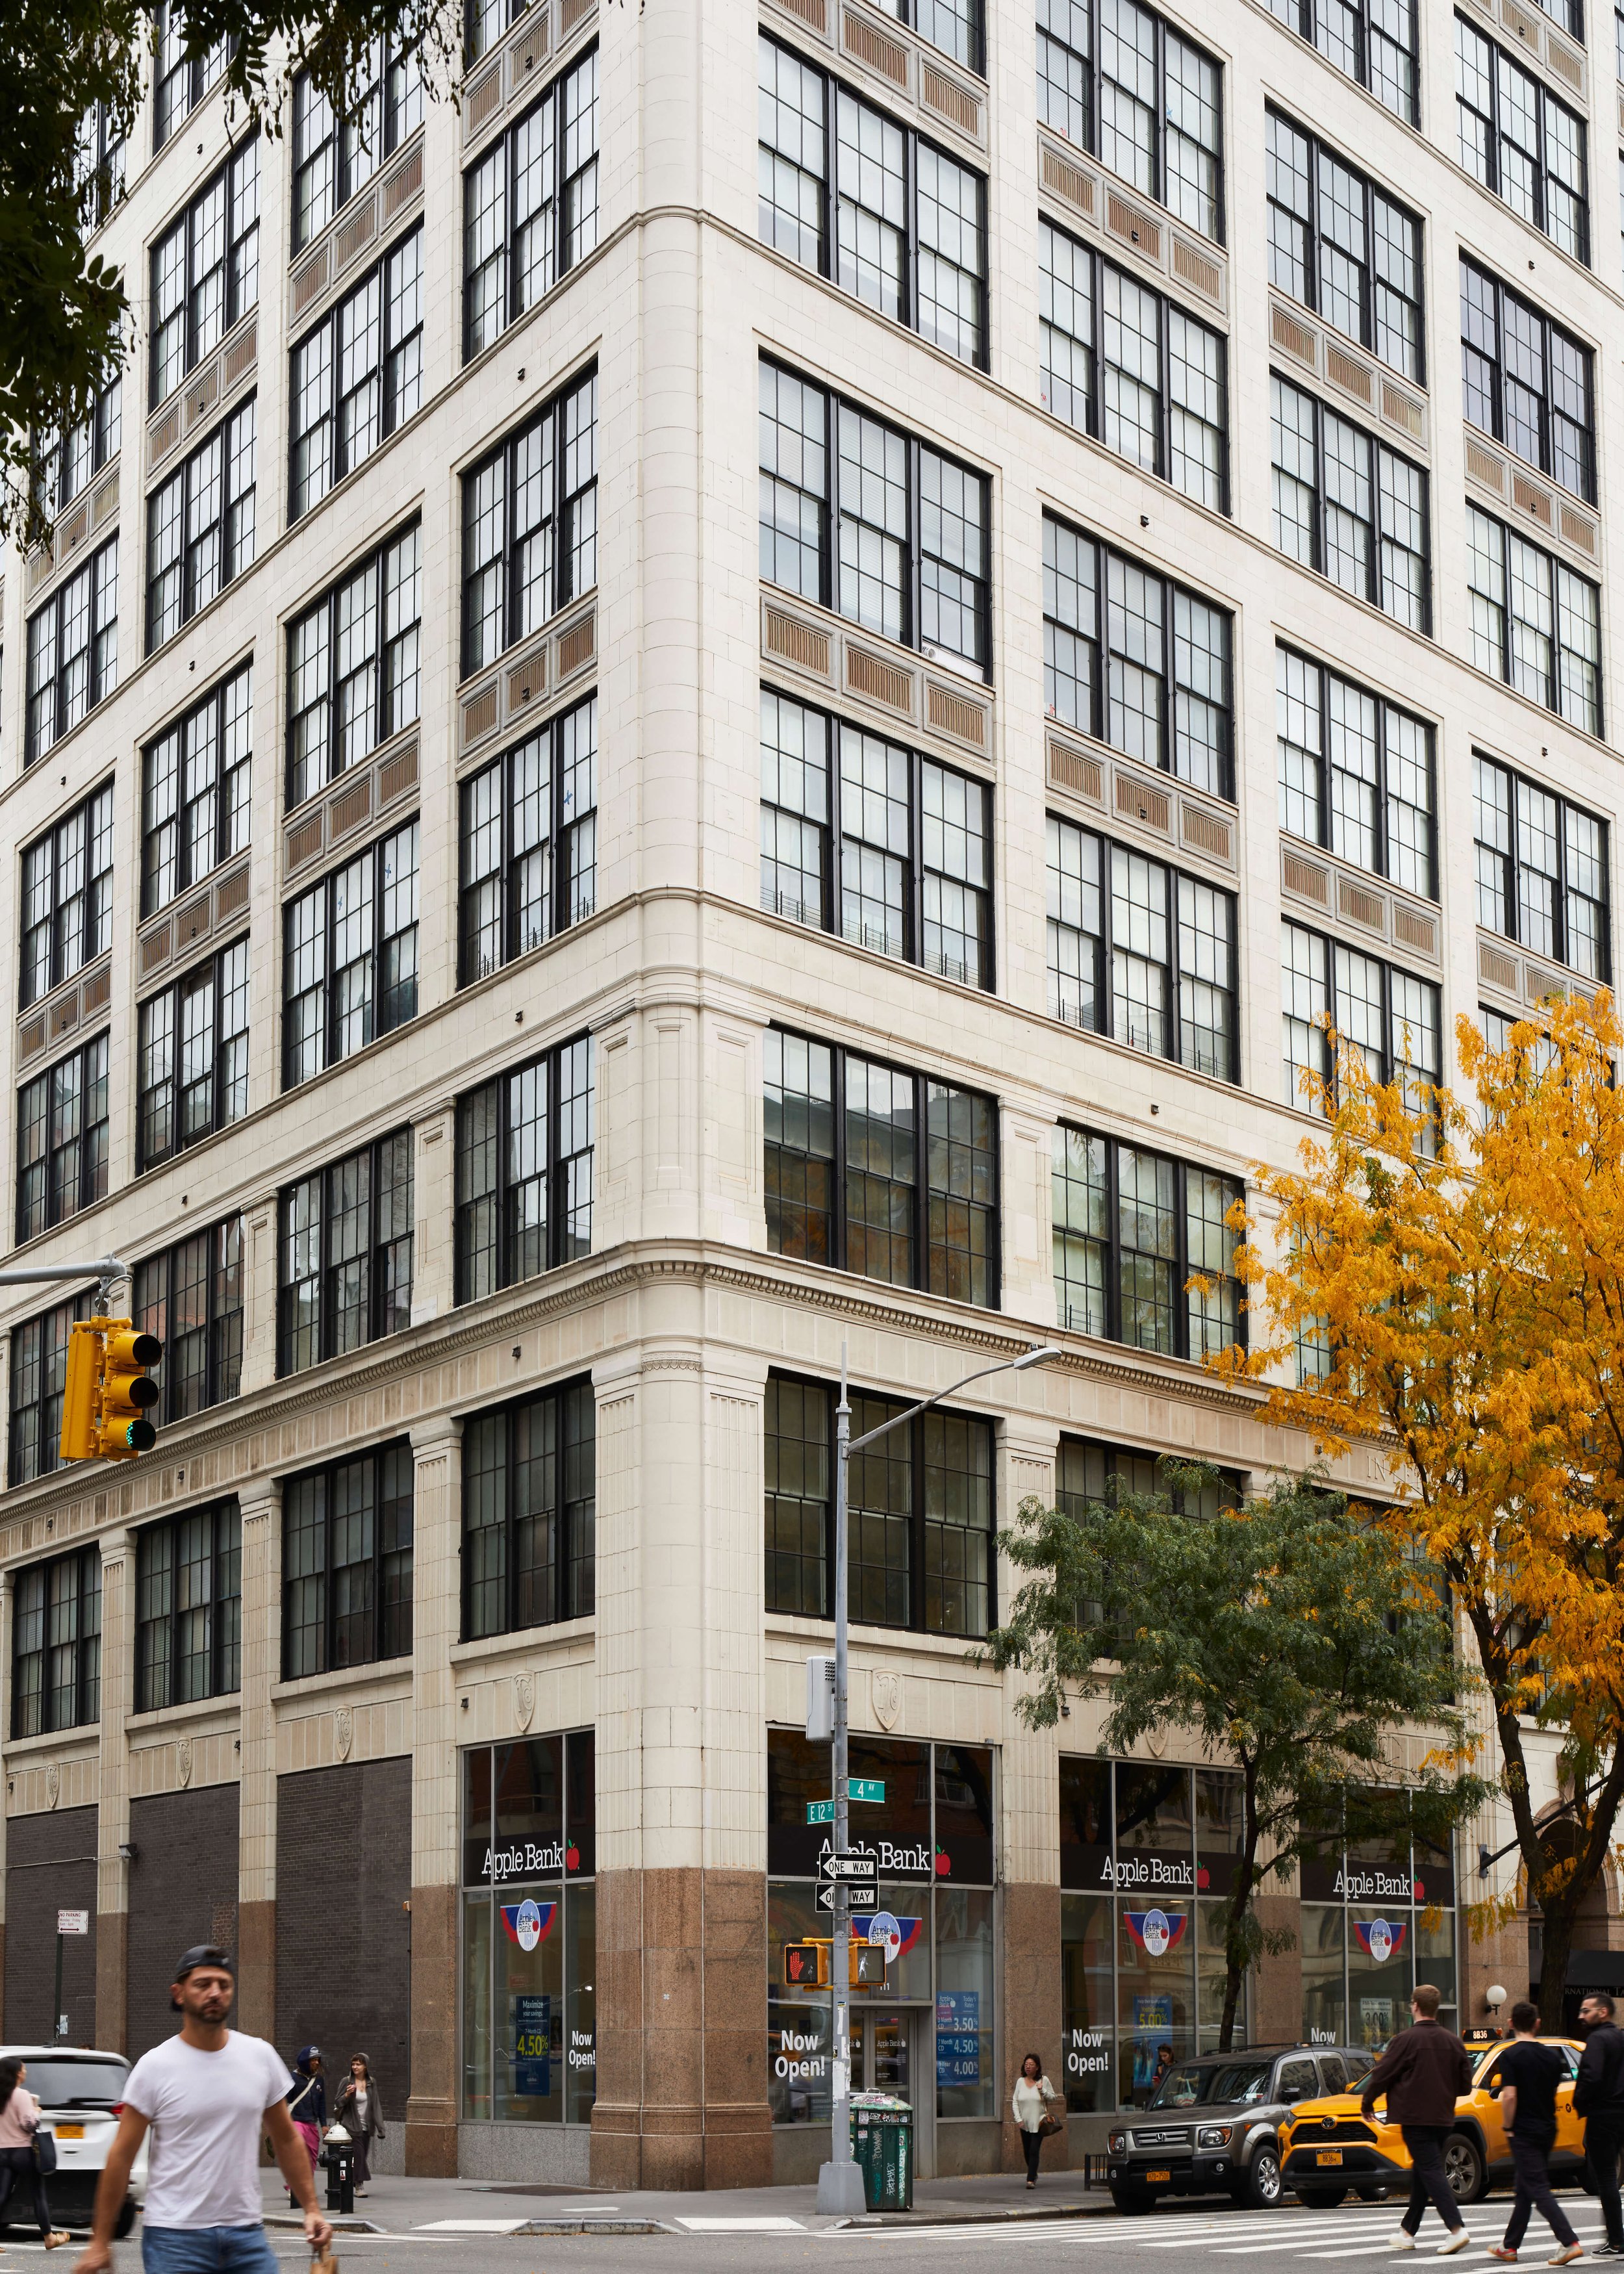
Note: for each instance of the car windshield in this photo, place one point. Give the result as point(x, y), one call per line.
point(59, 2082)
point(1225, 2081)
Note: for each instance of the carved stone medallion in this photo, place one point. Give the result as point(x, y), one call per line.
point(182, 1761)
point(885, 1687)
point(343, 1732)
point(53, 1784)
point(523, 1699)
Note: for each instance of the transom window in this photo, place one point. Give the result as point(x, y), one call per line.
point(67, 897)
point(56, 1644)
point(349, 957)
point(39, 1374)
point(62, 1139)
point(1527, 380)
point(524, 1171)
point(529, 526)
point(72, 651)
point(914, 838)
point(353, 666)
point(529, 844)
point(529, 1512)
point(1535, 622)
point(346, 1564)
point(1520, 142)
point(193, 1055)
point(1375, 41)
point(1350, 507)
point(530, 207)
point(1117, 80)
point(1542, 869)
point(887, 1174)
point(345, 1254)
point(847, 190)
point(1131, 1229)
point(189, 1608)
point(357, 375)
point(1140, 952)
point(195, 787)
point(1388, 1016)
point(333, 158)
point(205, 271)
point(200, 526)
point(865, 520)
point(191, 1296)
point(1135, 660)
point(1356, 773)
point(1344, 247)
point(1128, 365)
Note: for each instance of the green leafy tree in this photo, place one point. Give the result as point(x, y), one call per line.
point(1291, 1638)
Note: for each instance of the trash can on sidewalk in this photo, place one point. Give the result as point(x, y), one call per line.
point(882, 2149)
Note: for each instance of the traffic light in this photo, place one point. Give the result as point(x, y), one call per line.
point(128, 1391)
point(868, 1961)
point(805, 1965)
point(82, 1390)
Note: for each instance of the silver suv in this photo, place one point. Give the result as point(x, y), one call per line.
point(81, 2093)
point(1214, 2124)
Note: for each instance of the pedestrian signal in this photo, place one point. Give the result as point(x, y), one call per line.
point(82, 1391)
point(805, 1965)
point(868, 1965)
point(128, 1392)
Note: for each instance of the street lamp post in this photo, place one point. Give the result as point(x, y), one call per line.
point(839, 2183)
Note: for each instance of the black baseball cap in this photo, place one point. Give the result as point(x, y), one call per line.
point(202, 1954)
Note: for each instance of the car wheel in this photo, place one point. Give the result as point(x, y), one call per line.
point(1132, 2200)
point(125, 2219)
point(1321, 2198)
point(1263, 2185)
point(1464, 2168)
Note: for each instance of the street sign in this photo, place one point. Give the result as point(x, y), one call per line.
point(865, 1788)
point(862, 1897)
point(850, 1866)
point(820, 1811)
point(74, 1921)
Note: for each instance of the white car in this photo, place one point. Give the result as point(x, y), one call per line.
point(81, 2093)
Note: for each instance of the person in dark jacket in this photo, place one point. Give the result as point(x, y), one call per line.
point(1529, 2073)
point(1598, 2096)
point(1423, 2072)
point(308, 2100)
point(360, 2111)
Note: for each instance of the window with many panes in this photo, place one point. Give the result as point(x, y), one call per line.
point(483, 22)
point(1128, 365)
point(72, 651)
point(887, 1174)
point(913, 877)
point(353, 663)
point(529, 1512)
point(356, 375)
point(872, 522)
point(528, 844)
point(39, 1374)
point(333, 157)
point(529, 526)
point(1388, 1016)
point(193, 1057)
point(56, 1644)
point(920, 1515)
point(191, 1296)
point(205, 271)
point(1375, 41)
point(1535, 622)
point(1139, 951)
point(344, 1252)
point(64, 467)
point(1344, 247)
point(1519, 141)
point(1542, 869)
point(189, 1608)
point(1116, 78)
point(195, 785)
point(850, 192)
point(1527, 382)
point(959, 28)
point(530, 206)
point(1356, 774)
point(1135, 660)
point(346, 1564)
point(67, 897)
point(62, 1139)
point(1088, 1474)
point(1349, 506)
point(1132, 1232)
point(349, 957)
point(180, 78)
point(100, 151)
point(200, 526)
point(524, 1171)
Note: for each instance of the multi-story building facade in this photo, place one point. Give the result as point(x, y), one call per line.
point(539, 920)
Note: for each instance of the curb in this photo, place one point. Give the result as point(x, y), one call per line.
point(587, 2225)
point(1021, 2218)
point(340, 2222)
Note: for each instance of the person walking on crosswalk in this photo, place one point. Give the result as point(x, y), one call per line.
point(1423, 2072)
point(1529, 2073)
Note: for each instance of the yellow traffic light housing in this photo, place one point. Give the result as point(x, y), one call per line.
point(128, 1391)
point(805, 1965)
point(82, 1392)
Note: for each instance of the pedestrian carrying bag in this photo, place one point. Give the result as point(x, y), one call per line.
point(327, 2263)
point(45, 2150)
point(1048, 2127)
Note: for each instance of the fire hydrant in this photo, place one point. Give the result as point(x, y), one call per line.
point(339, 2155)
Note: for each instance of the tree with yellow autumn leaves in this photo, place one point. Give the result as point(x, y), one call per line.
point(1442, 1276)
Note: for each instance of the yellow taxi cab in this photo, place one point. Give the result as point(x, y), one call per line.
point(1330, 2147)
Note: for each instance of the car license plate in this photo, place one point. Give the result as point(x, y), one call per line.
point(1328, 2156)
point(1163, 2176)
point(70, 2131)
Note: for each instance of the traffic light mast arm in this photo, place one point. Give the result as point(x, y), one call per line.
point(106, 1271)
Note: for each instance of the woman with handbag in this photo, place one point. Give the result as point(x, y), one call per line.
point(360, 2111)
point(19, 2149)
point(1029, 2106)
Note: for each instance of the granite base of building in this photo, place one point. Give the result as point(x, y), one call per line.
point(556, 2154)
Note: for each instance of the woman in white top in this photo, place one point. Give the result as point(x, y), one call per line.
point(360, 2111)
point(1029, 2107)
point(19, 2122)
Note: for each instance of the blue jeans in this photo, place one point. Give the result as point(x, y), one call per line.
point(206, 2250)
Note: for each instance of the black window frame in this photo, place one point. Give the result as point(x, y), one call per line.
point(834, 840)
point(560, 1176)
point(831, 512)
point(1182, 1267)
point(220, 1332)
point(39, 1359)
point(1510, 859)
point(1106, 945)
point(221, 1604)
point(1557, 683)
point(85, 1683)
point(1495, 363)
point(906, 1447)
point(1116, 1458)
point(234, 484)
point(391, 998)
point(93, 1154)
point(566, 520)
point(568, 851)
point(1376, 591)
point(98, 578)
point(573, 231)
point(65, 954)
point(202, 73)
point(66, 466)
point(100, 161)
point(228, 789)
point(829, 185)
point(1303, 17)
point(782, 1198)
point(1093, 350)
point(1093, 81)
point(395, 370)
point(389, 678)
point(570, 1571)
point(378, 1255)
point(1324, 768)
point(1315, 238)
point(1392, 1064)
point(388, 1610)
point(223, 977)
point(1491, 179)
point(237, 267)
point(395, 129)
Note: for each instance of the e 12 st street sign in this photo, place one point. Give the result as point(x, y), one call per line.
point(862, 1897)
point(850, 1865)
point(870, 1789)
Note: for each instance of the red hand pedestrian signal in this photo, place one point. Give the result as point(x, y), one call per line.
point(805, 1965)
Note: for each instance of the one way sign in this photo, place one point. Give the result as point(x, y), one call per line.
point(862, 1897)
point(850, 1865)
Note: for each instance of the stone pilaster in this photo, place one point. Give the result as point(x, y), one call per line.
point(260, 1498)
point(434, 1290)
point(259, 1232)
point(431, 2110)
point(119, 1551)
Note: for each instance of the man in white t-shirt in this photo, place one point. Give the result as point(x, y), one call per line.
point(206, 2095)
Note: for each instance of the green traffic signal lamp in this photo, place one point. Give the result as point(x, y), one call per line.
point(128, 1393)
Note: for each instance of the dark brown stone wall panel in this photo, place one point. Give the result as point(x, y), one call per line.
point(343, 1931)
point(1033, 2021)
point(50, 1865)
point(432, 2111)
point(183, 1890)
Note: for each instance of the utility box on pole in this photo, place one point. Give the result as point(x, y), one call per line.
point(821, 1700)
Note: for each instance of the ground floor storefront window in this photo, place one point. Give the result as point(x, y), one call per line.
point(929, 2032)
point(529, 1939)
point(1377, 1916)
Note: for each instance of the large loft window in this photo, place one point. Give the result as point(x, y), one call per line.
point(528, 844)
point(353, 662)
point(1527, 382)
point(56, 1644)
point(62, 1139)
point(67, 882)
point(1348, 506)
point(191, 1296)
point(529, 1509)
point(1542, 869)
point(334, 157)
point(1116, 78)
point(200, 526)
point(1375, 41)
point(38, 1376)
point(180, 79)
point(1343, 247)
point(205, 271)
point(189, 1608)
point(64, 466)
point(530, 207)
point(356, 375)
point(529, 526)
point(1520, 142)
point(347, 1564)
point(1133, 1229)
point(72, 651)
point(1356, 774)
point(1535, 623)
point(349, 957)
point(345, 1254)
point(1391, 1017)
point(192, 1056)
point(196, 779)
point(524, 1145)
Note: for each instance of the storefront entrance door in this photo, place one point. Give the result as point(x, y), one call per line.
point(889, 2054)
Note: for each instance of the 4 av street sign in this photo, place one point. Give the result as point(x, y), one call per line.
point(862, 1897)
